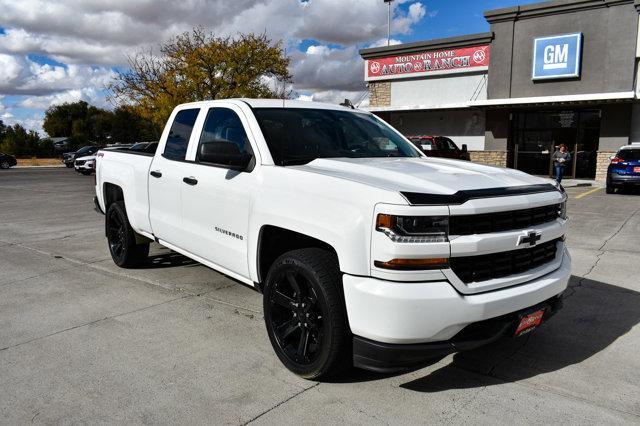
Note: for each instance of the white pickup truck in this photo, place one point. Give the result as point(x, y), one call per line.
point(367, 253)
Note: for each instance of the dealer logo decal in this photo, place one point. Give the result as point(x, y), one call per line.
point(479, 56)
point(374, 67)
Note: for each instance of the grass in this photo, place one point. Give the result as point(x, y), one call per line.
point(39, 162)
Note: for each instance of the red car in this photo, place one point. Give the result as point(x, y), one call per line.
point(440, 146)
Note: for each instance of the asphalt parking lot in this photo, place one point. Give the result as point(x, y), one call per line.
point(82, 341)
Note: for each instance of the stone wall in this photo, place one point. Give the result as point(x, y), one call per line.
point(380, 93)
point(602, 163)
point(492, 158)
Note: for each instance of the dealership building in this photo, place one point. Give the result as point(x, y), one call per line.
point(563, 71)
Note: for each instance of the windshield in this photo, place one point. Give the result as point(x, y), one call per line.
point(85, 149)
point(299, 135)
point(629, 154)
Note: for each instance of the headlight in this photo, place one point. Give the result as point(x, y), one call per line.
point(562, 209)
point(414, 229)
point(559, 186)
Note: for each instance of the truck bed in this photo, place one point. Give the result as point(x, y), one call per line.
point(130, 171)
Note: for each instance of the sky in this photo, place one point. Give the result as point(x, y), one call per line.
point(59, 51)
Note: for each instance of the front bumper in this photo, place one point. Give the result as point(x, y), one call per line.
point(84, 167)
point(409, 313)
point(387, 357)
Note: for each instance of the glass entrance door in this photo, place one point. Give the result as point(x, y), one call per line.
point(536, 135)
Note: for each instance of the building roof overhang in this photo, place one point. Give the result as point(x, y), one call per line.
point(555, 100)
point(550, 8)
point(588, 98)
point(421, 46)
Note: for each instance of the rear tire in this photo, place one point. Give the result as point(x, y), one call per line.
point(5, 165)
point(304, 314)
point(610, 189)
point(69, 165)
point(122, 238)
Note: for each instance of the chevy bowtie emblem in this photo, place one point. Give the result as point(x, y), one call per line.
point(530, 238)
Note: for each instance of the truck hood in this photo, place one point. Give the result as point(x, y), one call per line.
point(426, 175)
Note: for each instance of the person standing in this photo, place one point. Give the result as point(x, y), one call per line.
point(560, 159)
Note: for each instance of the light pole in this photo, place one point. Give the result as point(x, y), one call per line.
point(388, 21)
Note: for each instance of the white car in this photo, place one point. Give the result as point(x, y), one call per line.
point(367, 252)
point(85, 165)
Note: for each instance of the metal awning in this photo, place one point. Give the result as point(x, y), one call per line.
point(560, 99)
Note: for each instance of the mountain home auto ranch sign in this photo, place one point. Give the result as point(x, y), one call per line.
point(428, 63)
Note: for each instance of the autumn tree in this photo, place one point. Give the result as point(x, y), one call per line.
point(197, 66)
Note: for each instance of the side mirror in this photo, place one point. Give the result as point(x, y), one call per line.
point(464, 147)
point(224, 154)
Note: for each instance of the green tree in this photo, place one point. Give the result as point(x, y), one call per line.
point(19, 141)
point(127, 126)
point(84, 123)
point(197, 66)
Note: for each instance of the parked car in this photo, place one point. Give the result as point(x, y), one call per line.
point(7, 161)
point(68, 158)
point(440, 146)
point(87, 164)
point(624, 169)
point(366, 252)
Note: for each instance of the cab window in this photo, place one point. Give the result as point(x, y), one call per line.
point(179, 134)
point(223, 126)
point(446, 144)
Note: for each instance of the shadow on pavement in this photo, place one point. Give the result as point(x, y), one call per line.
point(595, 314)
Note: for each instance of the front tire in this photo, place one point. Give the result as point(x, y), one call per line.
point(122, 238)
point(304, 313)
point(610, 189)
point(5, 165)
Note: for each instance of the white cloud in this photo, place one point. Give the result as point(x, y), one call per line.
point(91, 36)
point(383, 42)
point(402, 24)
point(21, 76)
point(100, 32)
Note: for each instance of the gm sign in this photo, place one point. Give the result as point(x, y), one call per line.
point(557, 56)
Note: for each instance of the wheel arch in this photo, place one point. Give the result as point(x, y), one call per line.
point(111, 193)
point(273, 241)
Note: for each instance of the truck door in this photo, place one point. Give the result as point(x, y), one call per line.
point(216, 201)
point(165, 180)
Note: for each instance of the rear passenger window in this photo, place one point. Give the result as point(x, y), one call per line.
point(178, 139)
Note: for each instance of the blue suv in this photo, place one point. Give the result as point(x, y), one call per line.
point(624, 169)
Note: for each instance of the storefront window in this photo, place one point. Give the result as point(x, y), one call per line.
point(536, 135)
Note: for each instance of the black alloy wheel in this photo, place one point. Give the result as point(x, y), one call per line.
point(124, 249)
point(5, 165)
point(296, 316)
point(304, 313)
point(116, 235)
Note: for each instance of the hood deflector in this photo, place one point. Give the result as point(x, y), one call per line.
point(461, 197)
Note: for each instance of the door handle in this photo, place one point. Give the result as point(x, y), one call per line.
point(156, 174)
point(190, 181)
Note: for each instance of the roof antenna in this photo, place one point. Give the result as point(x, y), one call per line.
point(347, 103)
